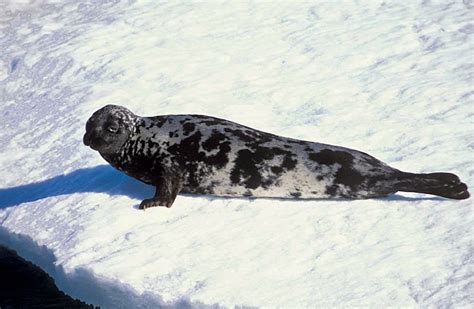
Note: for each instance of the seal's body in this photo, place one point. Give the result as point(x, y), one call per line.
point(208, 155)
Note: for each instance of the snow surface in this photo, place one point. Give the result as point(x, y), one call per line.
point(393, 78)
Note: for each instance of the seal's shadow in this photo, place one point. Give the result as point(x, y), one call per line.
point(101, 178)
point(105, 179)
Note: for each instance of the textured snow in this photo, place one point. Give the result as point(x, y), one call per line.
point(393, 78)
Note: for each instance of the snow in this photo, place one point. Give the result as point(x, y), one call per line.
point(389, 78)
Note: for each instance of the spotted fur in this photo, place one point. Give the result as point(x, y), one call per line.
point(208, 155)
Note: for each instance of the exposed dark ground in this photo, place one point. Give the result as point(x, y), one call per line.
point(25, 285)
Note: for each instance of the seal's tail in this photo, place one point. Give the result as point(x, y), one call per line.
point(442, 184)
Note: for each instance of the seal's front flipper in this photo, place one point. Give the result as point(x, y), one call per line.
point(165, 194)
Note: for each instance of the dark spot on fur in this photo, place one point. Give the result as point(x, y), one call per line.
point(188, 156)
point(188, 127)
point(214, 140)
point(314, 157)
point(246, 168)
point(151, 145)
point(297, 141)
point(277, 169)
point(158, 121)
point(346, 175)
point(220, 141)
point(295, 194)
point(331, 157)
point(264, 153)
point(247, 194)
point(279, 151)
point(289, 163)
point(221, 158)
point(184, 120)
point(240, 134)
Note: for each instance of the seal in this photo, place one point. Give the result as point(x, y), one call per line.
point(207, 155)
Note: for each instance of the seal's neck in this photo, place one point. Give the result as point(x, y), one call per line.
point(112, 159)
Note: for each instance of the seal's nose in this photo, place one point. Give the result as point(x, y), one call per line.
point(92, 139)
point(86, 139)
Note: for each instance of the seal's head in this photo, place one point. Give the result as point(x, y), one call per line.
point(109, 128)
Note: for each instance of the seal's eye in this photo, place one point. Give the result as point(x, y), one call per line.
point(112, 129)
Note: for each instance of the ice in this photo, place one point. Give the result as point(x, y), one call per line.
point(392, 79)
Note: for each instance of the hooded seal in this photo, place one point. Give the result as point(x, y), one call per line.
point(207, 155)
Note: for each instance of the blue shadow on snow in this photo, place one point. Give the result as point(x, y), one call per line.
point(101, 178)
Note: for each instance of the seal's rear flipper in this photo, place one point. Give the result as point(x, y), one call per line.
point(442, 184)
